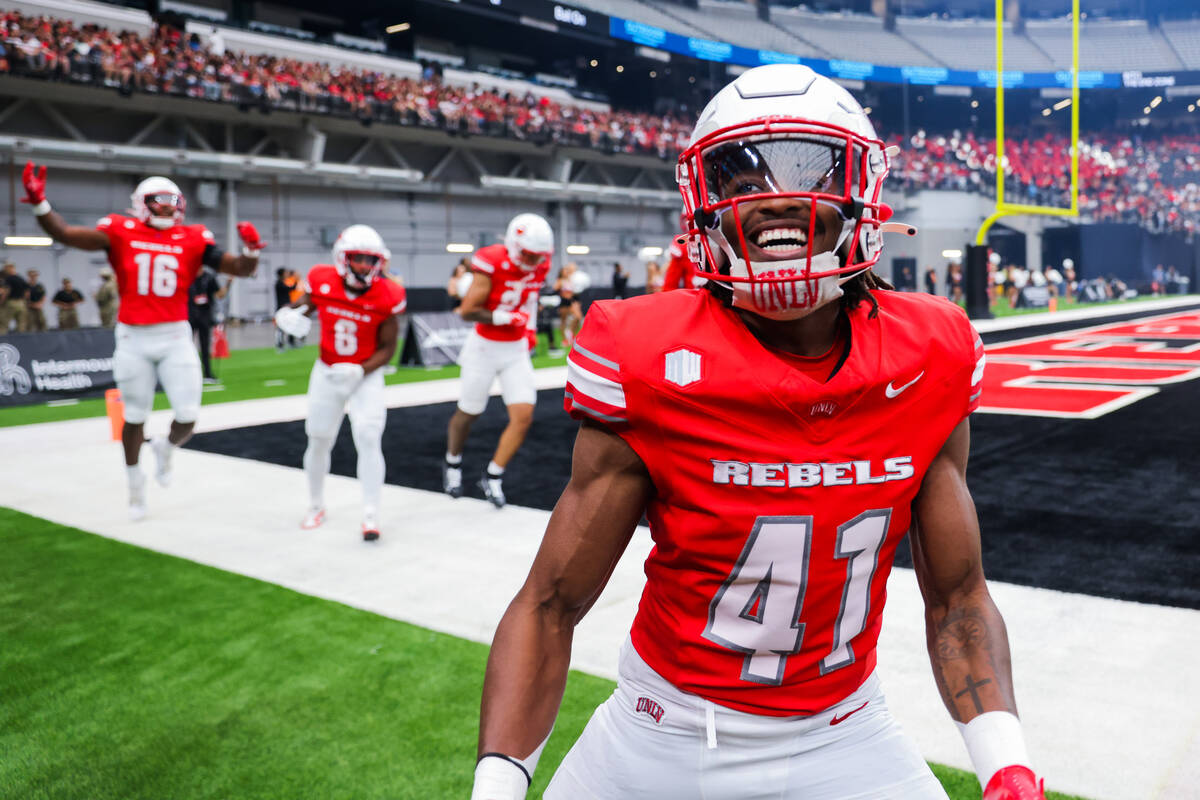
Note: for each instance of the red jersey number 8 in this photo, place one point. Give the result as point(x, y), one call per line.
point(157, 274)
point(345, 337)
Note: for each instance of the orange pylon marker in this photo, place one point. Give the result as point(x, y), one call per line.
point(115, 407)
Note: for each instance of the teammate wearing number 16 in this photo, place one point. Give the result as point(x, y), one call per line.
point(781, 430)
point(155, 258)
point(357, 307)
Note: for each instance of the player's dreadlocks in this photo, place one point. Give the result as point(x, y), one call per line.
point(858, 289)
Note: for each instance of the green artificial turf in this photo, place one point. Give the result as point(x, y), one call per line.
point(245, 375)
point(128, 674)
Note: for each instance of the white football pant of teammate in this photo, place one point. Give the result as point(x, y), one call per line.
point(854, 750)
point(483, 361)
point(147, 355)
point(334, 391)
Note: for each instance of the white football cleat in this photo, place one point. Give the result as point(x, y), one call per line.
point(370, 529)
point(493, 490)
point(162, 460)
point(137, 498)
point(452, 480)
point(315, 518)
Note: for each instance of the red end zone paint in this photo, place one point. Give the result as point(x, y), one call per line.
point(1091, 372)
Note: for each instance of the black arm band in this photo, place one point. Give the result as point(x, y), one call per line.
point(512, 760)
point(212, 256)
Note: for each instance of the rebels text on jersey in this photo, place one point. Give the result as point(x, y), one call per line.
point(513, 289)
point(350, 324)
point(779, 500)
point(154, 268)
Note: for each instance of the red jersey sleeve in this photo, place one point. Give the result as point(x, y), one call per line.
point(399, 298)
point(595, 388)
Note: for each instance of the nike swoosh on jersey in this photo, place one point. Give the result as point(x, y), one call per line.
point(836, 719)
point(892, 391)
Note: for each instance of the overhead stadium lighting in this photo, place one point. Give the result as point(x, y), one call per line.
point(399, 27)
point(1155, 102)
point(1045, 112)
point(460, 247)
point(28, 241)
point(647, 253)
point(578, 249)
point(1061, 104)
point(952, 254)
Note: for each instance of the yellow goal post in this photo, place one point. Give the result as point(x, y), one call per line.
point(1004, 208)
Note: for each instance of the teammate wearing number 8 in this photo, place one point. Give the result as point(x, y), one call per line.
point(155, 258)
point(781, 430)
point(357, 305)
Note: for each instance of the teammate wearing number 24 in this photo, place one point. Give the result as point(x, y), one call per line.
point(155, 258)
point(781, 430)
point(357, 305)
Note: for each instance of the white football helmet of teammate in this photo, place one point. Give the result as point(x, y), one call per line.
point(360, 255)
point(529, 240)
point(792, 155)
point(158, 202)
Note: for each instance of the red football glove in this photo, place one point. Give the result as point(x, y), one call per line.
point(1014, 783)
point(531, 339)
point(520, 319)
point(35, 184)
point(250, 237)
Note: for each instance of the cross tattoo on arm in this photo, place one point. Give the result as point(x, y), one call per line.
point(972, 689)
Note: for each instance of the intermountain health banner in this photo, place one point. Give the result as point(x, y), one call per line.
point(55, 365)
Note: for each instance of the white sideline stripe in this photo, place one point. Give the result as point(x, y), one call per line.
point(1076, 314)
point(1103, 687)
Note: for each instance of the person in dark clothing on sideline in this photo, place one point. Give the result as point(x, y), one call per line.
point(620, 280)
point(202, 296)
point(285, 282)
point(35, 302)
point(67, 299)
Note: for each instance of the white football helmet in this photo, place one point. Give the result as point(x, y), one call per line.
point(782, 137)
point(529, 240)
point(163, 193)
point(360, 255)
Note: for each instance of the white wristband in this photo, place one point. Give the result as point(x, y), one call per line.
point(42, 209)
point(994, 741)
point(248, 252)
point(502, 317)
point(498, 778)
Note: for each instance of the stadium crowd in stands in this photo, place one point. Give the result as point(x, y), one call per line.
point(1150, 181)
point(1154, 182)
point(173, 62)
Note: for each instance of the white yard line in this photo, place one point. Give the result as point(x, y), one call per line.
point(1102, 684)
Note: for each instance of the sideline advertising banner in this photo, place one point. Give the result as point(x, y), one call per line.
point(434, 339)
point(55, 365)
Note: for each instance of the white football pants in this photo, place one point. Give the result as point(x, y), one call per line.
point(651, 741)
point(149, 354)
point(483, 360)
point(328, 402)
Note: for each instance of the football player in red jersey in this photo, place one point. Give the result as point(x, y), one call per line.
point(781, 431)
point(502, 302)
point(357, 306)
point(155, 257)
point(680, 272)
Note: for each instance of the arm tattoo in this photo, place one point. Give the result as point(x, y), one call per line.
point(963, 628)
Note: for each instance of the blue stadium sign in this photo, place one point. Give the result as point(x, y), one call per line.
point(722, 52)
